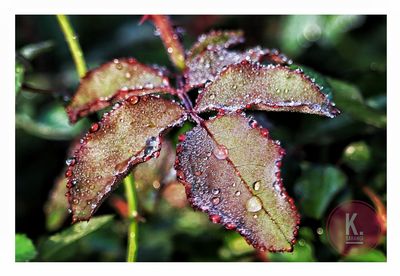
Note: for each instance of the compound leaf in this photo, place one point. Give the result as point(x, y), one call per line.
point(127, 135)
point(231, 170)
point(273, 88)
point(114, 81)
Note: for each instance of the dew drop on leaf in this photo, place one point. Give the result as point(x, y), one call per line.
point(221, 152)
point(253, 204)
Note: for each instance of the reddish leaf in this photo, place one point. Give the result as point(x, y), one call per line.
point(231, 170)
point(207, 65)
point(215, 39)
point(128, 135)
point(170, 40)
point(114, 81)
point(272, 88)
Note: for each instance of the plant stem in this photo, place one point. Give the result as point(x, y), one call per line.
point(73, 44)
point(130, 194)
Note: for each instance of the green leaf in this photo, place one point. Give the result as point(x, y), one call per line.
point(368, 255)
point(302, 252)
point(56, 206)
point(357, 155)
point(270, 88)
point(24, 248)
point(57, 242)
point(19, 76)
point(51, 124)
point(231, 171)
point(31, 51)
point(316, 188)
point(347, 97)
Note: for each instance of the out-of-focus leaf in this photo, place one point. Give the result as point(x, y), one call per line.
point(237, 245)
point(302, 252)
point(380, 207)
point(24, 248)
point(74, 233)
point(51, 124)
point(114, 81)
point(157, 171)
point(357, 155)
point(170, 39)
point(31, 51)
point(300, 31)
point(272, 88)
point(368, 255)
point(56, 208)
point(174, 194)
point(316, 188)
point(217, 40)
point(19, 76)
point(127, 135)
point(231, 171)
point(345, 97)
point(208, 64)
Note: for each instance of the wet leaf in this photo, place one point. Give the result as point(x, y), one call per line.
point(272, 88)
point(316, 188)
point(74, 233)
point(24, 248)
point(215, 39)
point(231, 171)
point(207, 65)
point(114, 81)
point(129, 134)
point(170, 39)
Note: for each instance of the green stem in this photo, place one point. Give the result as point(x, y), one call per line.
point(73, 44)
point(130, 193)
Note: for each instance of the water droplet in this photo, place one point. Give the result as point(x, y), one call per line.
point(88, 202)
point(264, 132)
point(221, 152)
point(257, 185)
point(211, 96)
point(215, 218)
point(95, 127)
point(253, 204)
point(237, 193)
point(68, 173)
point(230, 226)
point(215, 191)
point(128, 75)
point(91, 187)
point(75, 201)
point(198, 173)
point(320, 231)
point(108, 188)
point(215, 200)
point(255, 216)
point(133, 100)
point(170, 50)
point(70, 161)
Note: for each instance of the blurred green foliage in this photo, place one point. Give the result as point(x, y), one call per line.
point(327, 161)
point(24, 248)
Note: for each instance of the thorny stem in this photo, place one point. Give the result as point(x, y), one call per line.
point(130, 191)
point(130, 194)
point(73, 44)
